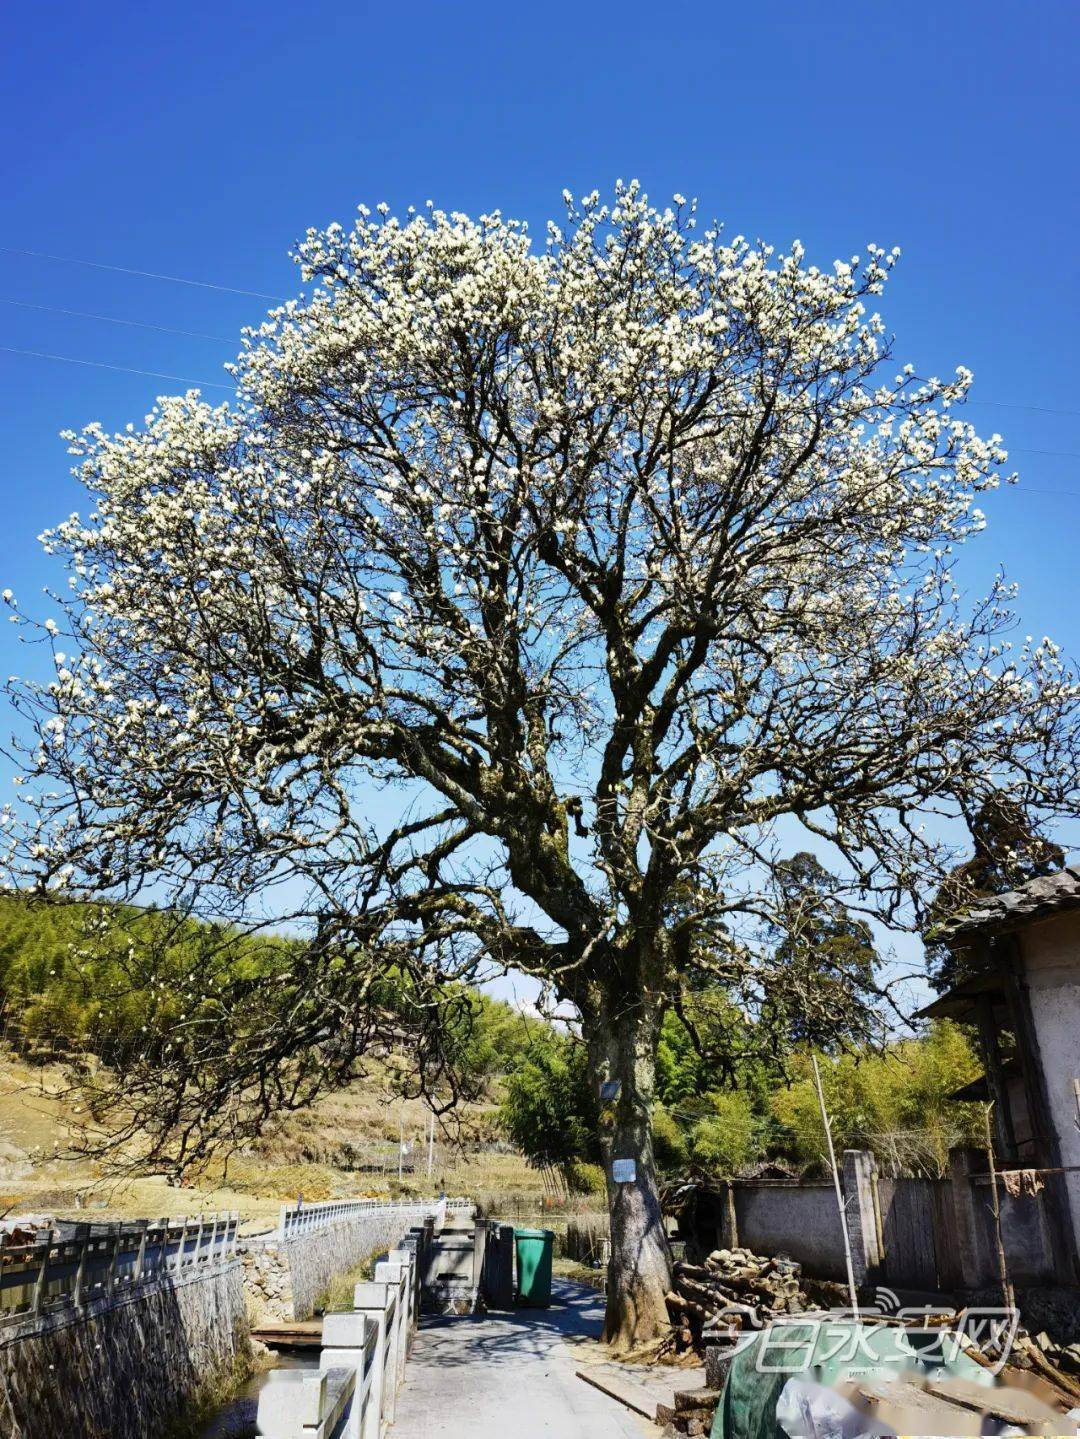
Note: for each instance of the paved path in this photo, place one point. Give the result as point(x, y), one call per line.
point(511, 1376)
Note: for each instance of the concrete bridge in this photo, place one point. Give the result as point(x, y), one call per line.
point(512, 1375)
point(477, 1366)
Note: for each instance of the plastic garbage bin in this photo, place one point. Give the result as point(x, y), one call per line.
point(534, 1247)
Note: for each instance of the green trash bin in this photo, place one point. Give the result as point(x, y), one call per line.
point(534, 1247)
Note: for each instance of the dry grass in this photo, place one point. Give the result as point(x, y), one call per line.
point(320, 1154)
point(339, 1294)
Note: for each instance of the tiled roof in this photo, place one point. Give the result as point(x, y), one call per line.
point(1000, 913)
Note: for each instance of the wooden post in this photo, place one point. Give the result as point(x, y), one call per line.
point(42, 1279)
point(839, 1192)
point(110, 1273)
point(988, 1038)
point(140, 1257)
point(1008, 1298)
point(731, 1240)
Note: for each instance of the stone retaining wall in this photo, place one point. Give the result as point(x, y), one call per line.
point(285, 1277)
point(126, 1368)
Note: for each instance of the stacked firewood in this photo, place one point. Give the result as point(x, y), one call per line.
point(734, 1289)
point(1057, 1363)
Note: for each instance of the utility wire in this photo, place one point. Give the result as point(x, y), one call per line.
point(125, 369)
point(219, 385)
point(115, 320)
point(143, 274)
point(281, 299)
point(1012, 405)
point(1061, 454)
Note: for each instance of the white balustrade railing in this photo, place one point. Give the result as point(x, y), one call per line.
point(102, 1261)
point(302, 1218)
point(362, 1362)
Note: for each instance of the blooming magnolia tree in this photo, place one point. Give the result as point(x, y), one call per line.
point(617, 555)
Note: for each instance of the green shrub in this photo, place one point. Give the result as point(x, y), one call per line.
point(584, 1178)
point(726, 1140)
point(895, 1103)
point(669, 1142)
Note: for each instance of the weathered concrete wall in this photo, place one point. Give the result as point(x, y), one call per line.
point(1051, 950)
point(285, 1278)
point(126, 1369)
point(934, 1234)
point(797, 1220)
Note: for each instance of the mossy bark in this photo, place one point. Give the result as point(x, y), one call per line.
point(622, 1044)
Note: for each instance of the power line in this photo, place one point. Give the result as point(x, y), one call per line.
point(115, 320)
point(281, 299)
point(143, 274)
point(1061, 454)
point(1012, 405)
point(1035, 490)
point(218, 385)
point(125, 369)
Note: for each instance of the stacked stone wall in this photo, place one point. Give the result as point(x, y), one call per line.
point(126, 1368)
point(286, 1277)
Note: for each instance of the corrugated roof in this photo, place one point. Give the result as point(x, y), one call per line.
point(1001, 913)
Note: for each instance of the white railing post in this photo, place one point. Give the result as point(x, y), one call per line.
point(395, 1277)
point(180, 1252)
point(345, 1338)
point(407, 1258)
point(374, 1301)
point(292, 1409)
point(80, 1273)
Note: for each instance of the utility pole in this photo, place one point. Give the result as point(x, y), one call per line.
point(839, 1192)
point(430, 1143)
point(401, 1140)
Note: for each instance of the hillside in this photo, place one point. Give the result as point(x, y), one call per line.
point(340, 1148)
point(67, 994)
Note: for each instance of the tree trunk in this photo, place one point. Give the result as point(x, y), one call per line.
point(622, 1046)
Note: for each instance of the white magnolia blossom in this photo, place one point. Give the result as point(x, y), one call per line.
point(619, 550)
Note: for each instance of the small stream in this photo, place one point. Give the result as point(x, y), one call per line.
point(237, 1419)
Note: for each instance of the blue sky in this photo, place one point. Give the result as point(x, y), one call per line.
point(201, 141)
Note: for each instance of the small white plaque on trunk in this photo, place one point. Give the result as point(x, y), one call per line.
point(624, 1171)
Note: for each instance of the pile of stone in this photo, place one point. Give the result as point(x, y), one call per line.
point(733, 1290)
point(268, 1282)
point(691, 1413)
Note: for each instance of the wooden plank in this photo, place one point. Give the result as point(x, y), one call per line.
point(301, 1334)
point(633, 1396)
point(1012, 1405)
point(906, 1408)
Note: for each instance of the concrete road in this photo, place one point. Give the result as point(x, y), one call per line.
point(511, 1376)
